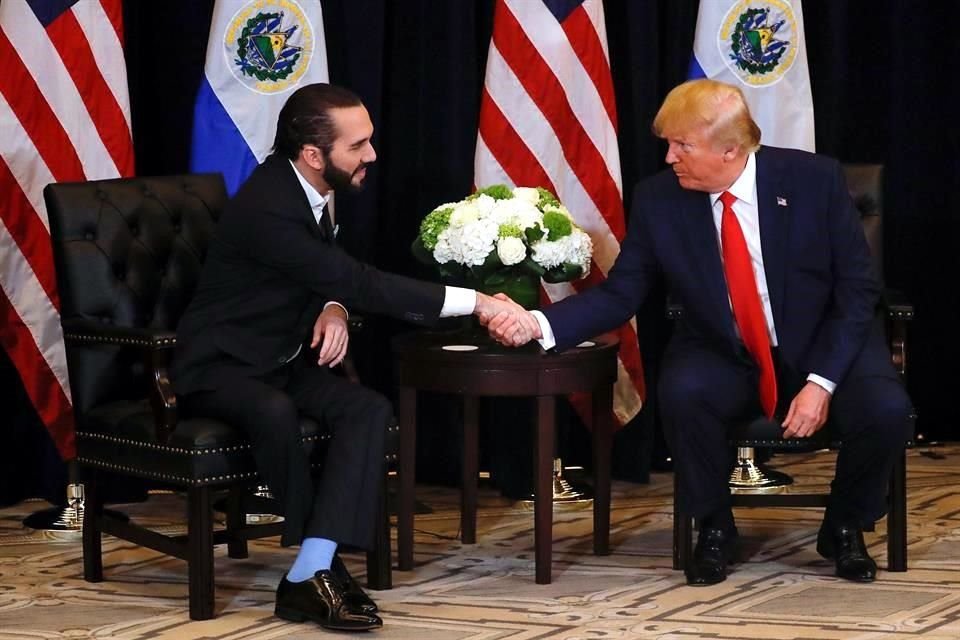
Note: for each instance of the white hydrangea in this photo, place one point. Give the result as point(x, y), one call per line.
point(575, 248)
point(518, 212)
point(511, 250)
point(467, 245)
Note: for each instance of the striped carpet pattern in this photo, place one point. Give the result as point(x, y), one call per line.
point(486, 591)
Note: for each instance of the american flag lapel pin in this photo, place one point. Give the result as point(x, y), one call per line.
point(781, 201)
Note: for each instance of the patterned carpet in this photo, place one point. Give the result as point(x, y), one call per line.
point(486, 591)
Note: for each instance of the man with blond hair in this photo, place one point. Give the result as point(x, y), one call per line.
point(764, 249)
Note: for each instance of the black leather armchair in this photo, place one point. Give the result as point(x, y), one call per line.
point(128, 254)
point(865, 183)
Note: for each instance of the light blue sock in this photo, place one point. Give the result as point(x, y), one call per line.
point(316, 554)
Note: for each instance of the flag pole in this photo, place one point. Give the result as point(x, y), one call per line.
point(67, 518)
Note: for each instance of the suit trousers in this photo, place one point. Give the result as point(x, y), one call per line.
point(702, 392)
point(343, 503)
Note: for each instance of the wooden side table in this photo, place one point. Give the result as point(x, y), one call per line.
point(473, 366)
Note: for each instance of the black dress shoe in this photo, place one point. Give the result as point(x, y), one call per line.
point(844, 545)
point(353, 593)
point(715, 549)
point(321, 599)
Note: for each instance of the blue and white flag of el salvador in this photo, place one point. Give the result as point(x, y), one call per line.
point(758, 45)
point(258, 53)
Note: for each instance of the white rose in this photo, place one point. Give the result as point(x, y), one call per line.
point(464, 213)
point(511, 250)
point(528, 194)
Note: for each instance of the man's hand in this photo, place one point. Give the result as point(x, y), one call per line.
point(808, 412)
point(331, 327)
point(508, 323)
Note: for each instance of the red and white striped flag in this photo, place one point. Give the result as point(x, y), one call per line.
point(548, 118)
point(65, 116)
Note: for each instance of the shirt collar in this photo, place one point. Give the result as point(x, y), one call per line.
point(745, 186)
point(315, 198)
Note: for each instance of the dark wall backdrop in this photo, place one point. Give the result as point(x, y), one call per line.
point(884, 75)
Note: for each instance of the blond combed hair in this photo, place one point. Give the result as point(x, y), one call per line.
point(718, 108)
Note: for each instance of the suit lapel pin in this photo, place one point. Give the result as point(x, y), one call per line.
point(781, 201)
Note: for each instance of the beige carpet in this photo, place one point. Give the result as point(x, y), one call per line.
point(486, 591)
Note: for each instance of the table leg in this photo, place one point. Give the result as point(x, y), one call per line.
point(407, 409)
point(470, 469)
point(602, 444)
point(543, 487)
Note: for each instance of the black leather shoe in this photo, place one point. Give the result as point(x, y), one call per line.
point(844, 545)
point(321, 599)
point(353, 593)
point(715, 549)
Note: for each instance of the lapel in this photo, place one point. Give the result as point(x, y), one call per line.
point(295, 193)
point(773, 205)
point(701, 235)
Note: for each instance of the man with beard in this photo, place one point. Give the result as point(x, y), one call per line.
point(275, 288)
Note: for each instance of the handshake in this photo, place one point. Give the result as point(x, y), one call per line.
point(507, 322)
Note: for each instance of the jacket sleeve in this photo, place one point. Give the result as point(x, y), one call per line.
point(281, 241)
point(855, 291)
point(614, 301)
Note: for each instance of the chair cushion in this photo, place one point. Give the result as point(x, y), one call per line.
point(119, 436)
point(762, 432)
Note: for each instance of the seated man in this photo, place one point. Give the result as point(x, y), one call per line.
point(273, 289)
point(764, 249)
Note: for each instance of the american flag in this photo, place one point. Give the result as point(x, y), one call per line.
point(548, 118)
point(65, 116)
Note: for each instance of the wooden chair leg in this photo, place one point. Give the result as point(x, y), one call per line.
point(92, 548)
point(236, 519)
point(379, 569)
point(200, 553)
point(897, 518)
point(407, 415)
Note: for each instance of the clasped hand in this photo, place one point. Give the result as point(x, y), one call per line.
point(507, 322)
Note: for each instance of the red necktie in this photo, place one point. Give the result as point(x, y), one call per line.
point(747, 309)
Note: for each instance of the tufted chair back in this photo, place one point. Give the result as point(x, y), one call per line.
point(865, 184)
point(128, 253)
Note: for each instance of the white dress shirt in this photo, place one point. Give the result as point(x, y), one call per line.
point(748, 215)
point(457, 301)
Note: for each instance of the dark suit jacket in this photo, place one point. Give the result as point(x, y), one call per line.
point(266, 277)
point(819, 273)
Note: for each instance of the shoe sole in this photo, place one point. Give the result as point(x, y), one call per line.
point(292, 615)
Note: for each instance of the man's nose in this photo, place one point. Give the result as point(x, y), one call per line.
point(371, 154)
point(671, 156)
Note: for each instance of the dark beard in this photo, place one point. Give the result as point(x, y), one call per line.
point(340, 180)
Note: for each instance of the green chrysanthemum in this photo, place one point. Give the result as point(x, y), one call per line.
point(557, 225)
point(496, 191)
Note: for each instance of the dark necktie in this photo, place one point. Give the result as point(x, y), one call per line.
point(745, 300)
point(326, 228)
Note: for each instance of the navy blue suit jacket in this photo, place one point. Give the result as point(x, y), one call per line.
point(820, 276)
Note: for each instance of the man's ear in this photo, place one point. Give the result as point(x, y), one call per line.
point(312, 156)
point(731, 152)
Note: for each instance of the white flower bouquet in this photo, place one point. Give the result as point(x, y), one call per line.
point(503, 239)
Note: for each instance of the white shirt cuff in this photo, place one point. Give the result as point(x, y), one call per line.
point(547, 341)
point(458, 302)
point(339, 305)
point(823, 382)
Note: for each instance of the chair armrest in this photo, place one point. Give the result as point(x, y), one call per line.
point(896, 304)
point(156, 347)
point(899, 311)
point(90, 331)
